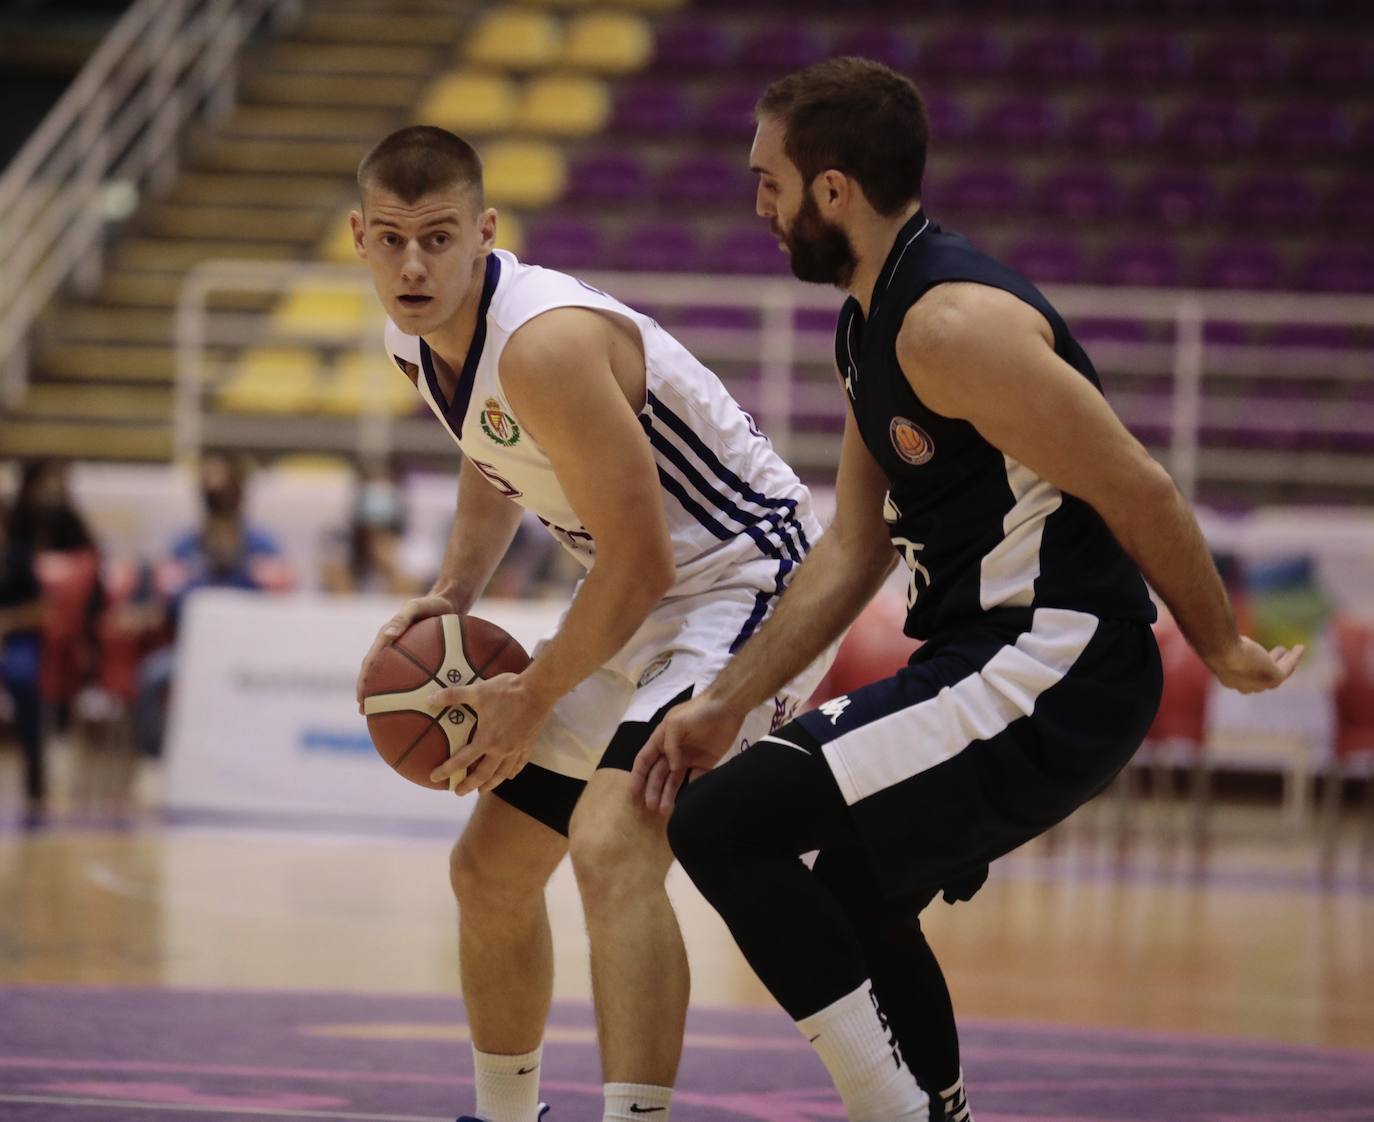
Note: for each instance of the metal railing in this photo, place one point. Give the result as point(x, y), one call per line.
point(118, 124)
point(783, 369)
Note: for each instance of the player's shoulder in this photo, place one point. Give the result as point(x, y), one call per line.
point(958, 315)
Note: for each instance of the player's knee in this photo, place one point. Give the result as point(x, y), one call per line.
point(611, 861)
point(697, 835)
point(479, 880)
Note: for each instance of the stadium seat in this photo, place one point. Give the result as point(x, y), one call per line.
point(705, 178)
point(337, 244)
point(610, 175)
point(1352, 753)
point(564, 106)
point(692, 45)
point(1245, 62)
point(1253, 264)
point(995, 190)
point(1340, 267)
point(1270, 200)
point(567, 243)
point(780, 48)
point(963, 53)
point(1345, 209)
point(470, 101)
point(950, 121)
point(730, 113)
point(1208, 128)
point(1147, 62)
point(320, 311)
point(607, 42)
point(67, 581)
point(1333, 65)
point(509, 38)
point(1176, 198)
point(1079, 194)
point(1054, 56)
point(1023, 121)
point(882, 44)
point(1152, 262)
point(1048, 259)
point(365, 383)
point(1308, 132)
point(1117, 125)
point(658, 246)
point(523, 173)
point(652, 108)
point(272, 380)
point(748, 247)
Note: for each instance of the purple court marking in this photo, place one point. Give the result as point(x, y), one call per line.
point(69, 1054)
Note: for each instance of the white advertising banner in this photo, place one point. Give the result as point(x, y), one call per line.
point(263, 715)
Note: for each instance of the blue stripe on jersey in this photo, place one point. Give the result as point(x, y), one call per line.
point(712, 461)
point(695, 478)
point(454, 411)
point(761, 602)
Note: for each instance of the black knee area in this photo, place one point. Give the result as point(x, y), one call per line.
point(700, 831)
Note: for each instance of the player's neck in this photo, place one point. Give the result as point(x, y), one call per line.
point(452, 340)
point(873, 242)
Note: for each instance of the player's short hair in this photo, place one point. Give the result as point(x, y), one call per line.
point(858, 117)
point(419, 160)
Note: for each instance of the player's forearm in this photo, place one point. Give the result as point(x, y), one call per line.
point(830, 589)
point(483, 528)
point(1158, 530)
point(611, 605)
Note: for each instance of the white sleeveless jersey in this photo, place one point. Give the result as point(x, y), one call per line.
point(729, 499)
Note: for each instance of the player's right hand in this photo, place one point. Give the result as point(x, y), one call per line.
point(421, 607)
point(1249, 668)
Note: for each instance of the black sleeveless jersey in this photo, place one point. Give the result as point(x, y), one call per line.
point(985, 538)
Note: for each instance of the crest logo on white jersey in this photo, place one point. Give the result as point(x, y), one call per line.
point(499, 425)
point(834, 707)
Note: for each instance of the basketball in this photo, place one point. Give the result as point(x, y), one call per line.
point(448, 650)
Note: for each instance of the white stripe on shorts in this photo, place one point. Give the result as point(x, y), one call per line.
point(894, 748)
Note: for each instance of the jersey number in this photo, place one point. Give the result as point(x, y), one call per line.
point(920, 575)
point(501, 484)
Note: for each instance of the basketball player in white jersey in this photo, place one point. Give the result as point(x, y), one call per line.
point(571, 405)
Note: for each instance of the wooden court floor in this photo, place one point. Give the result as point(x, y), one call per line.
point(1245, 939)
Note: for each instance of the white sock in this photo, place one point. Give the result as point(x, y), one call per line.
point(860, 1052)
point(637, 1102)
point(507, 1086)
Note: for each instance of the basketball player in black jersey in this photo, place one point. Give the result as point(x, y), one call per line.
point(977, 443)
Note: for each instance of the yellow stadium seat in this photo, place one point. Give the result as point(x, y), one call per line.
point(651, 5)
point(272, 380)
point(469, 101)
point(322, 311)
point(510, 232)
point(523, 173)
point(565, 106)
point(608, 42)
point(337, 245)
point(365, 381)
point(515, 40)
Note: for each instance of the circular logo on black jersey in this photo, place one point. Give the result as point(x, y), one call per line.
point(911, 441)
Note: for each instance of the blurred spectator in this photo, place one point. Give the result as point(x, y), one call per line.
point(370, 557)
point(222, 479)
point(20, 646)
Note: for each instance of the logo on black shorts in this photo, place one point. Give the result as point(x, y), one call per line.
point(911, 441)
point(654, 669)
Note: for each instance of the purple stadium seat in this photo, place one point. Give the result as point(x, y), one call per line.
point(1323, 336)
point(1115, 125)
point(816, 320)
point(652, 108)
point(1309, 131)
point(1346, 208)
point(1047, 259)
point(881, 44)
point(1209, 128)
point(748, 248)
point(1240, 61)
point(730, 113)
point(658, 247)
point(984, 190)
point(1175, 198)
point(1055, 56)
point(693, 45)
point(1110, 330)
point(949, 119)
point(1272, 199)
point(1242, 265)
point(1224, 333)
point(715, 316)
point(566, 243)
point(780, 47)
point(1080, 194)
point(1334, 65)
point(1146, 61)
point(606, 176)
point(1020, 122)
point(1141, 261)
point(963, 53)
point(1338, 268)
point(706, 178)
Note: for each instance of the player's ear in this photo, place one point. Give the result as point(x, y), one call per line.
point(355, 223)
point(833, 190)
point(487, 229)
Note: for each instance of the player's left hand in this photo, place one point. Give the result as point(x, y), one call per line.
point(1248, 667)
point(508, 722)
point(695, 734)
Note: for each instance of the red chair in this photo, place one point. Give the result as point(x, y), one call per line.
point(69, 582)
point(1353, 750)
point(874, 648)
